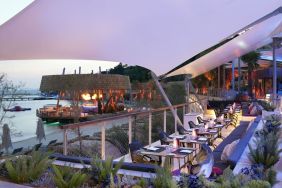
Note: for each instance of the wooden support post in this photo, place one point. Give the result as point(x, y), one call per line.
point(164, 120)
point(103, 141)
point(183, 112)
point(65, 152)
point(175, 122)
point(218, 77)
point(129, 129)
point(150, 128)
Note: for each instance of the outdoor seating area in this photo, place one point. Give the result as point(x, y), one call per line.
point(184, 146)
point(151, 94)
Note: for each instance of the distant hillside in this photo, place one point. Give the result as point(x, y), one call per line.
point(135, 73)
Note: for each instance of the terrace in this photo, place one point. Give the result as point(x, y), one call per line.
point(165, 146)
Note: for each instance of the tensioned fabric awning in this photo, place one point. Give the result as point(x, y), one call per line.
point(251, 37)
point(158, 35)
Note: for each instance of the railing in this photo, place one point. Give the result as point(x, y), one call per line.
point(216, 92)
point(142, 125)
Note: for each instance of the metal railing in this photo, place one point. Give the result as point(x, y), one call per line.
point(139, 125)
point(216, 92)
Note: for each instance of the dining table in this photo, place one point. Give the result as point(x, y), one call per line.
point(170, 152)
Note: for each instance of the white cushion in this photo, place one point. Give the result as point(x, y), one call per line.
point(254, 111)
point(228, 150)
point(267, 113)
point(251, 105)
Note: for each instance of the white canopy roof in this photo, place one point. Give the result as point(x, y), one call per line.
point(158, 35)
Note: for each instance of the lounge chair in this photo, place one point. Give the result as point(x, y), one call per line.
point(37, 146)
point(52, 142)
point(17, 150)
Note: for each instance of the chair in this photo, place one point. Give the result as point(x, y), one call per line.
point(182, 130)
point(201, 120)
point(17, 150)
point(37, 146)
point(52, 142)
point(164, 138)
point(136, 156)
point(204, 162)
point(193, 125)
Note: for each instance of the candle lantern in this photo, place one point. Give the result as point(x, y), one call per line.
point(194, 134)
point(175, 143)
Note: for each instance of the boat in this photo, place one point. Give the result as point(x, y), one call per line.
point(17, 109)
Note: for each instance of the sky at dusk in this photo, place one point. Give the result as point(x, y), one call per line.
point(29, 72)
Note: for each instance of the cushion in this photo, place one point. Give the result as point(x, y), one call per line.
point(216, 171)
point(254, 111)
point(228, 150)
point(266, 113)
point(251, 106)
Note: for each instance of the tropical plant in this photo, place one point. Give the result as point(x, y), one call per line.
point(65, 177)
point(142, 183)
point(257, 184)
point(228, 179)
point(257, 172)
point(163, 177)
point(104, 173)
point(191, 181)
point(266, 105)
point(275, 119)
point(251, 59)
point(27, 168)
point(267, 150)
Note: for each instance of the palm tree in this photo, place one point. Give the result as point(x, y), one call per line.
point(251, 59)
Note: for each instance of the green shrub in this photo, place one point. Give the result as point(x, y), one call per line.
point(65, 177)
point(275, 119)
point(257, 184)
point(104, 173)
point(266, 151)
point(266, 105)
point(164, 177)
point(24, 169)
point(228, 179)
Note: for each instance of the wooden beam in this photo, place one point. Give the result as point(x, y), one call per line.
point(65, 143)
point(164, 120)
point(103, 141)
point(129, 129)
point(150, 129)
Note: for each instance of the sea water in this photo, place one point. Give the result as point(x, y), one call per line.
point(23, 124)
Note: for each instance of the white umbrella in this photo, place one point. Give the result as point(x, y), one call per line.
point(40, 133)
point(6, 138)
